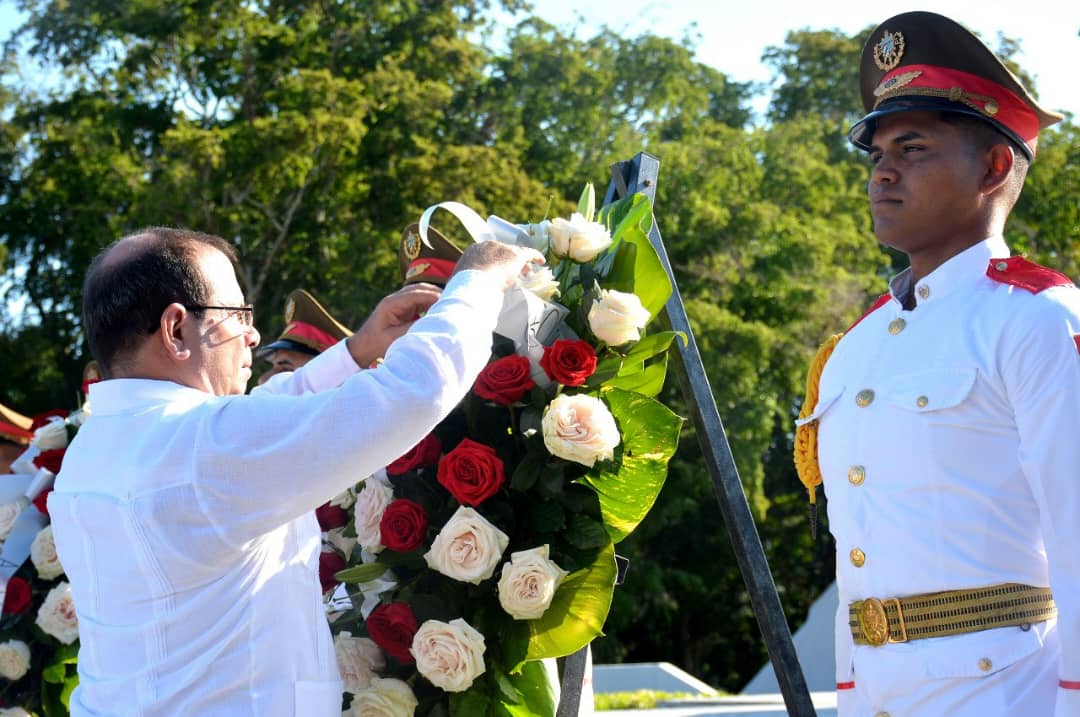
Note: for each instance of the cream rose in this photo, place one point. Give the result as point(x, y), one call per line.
point(528, 583)
point(43, 555)
point(345, 499)
point(386, 697)
point(56, 616)
point(617, 317)
point(14, 659)
point(358, 659)
point(540, 280)
point(450, 655)
point(467, 548)
point(14, 712)
point(371, 503)
point(8, 513)
point(578, 238)
point(51, 436)
point(580, 428)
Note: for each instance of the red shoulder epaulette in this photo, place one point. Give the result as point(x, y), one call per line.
point(881, 301)
point(1018, 271)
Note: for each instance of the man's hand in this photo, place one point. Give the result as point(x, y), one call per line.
point(391, 318)
point(503, 261)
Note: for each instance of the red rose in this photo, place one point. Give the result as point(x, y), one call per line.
point(472, 472)
point(569, 362)
point(392, 627)
point(17, 597)
point(329, 563)
point(331, 516)
point(42, 418)
point(40, 501)
point(504, 380)
point(51, 459)
point(423, 454)
point(403, 526)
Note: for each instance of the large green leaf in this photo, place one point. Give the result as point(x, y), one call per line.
point(577, 612)
point(628, 489)
point(361, 573)
point(636, 267)
point(535, 692)
point(647, 381)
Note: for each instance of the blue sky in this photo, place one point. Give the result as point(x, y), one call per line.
point(731, 36)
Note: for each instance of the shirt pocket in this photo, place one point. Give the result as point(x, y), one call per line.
point(983, 653)
point(938, 394)
point(826, 400)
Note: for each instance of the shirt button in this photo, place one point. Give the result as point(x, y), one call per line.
point(896, 326)
point(985, 664)
point(921, 401)
point(864, 398)
point(856, 475)
point(858, 557)
point(924, 292)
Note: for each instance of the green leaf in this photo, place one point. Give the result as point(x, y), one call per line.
point(473, 701)
point(508, 692)
point(535, 687)
point(528, 471)
point(647, 381)
point(628, 488)
point(577, 612)
point(547, 516)
point(652, 345)
point(360, 573)
point(637, 267)
point(585, 532)
point(586, 205)
point(56, 671)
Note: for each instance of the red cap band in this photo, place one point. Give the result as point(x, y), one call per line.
point(431, 268)
point(317, 337)
point(13, 433)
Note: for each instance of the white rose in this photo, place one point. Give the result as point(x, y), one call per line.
point(467, 548)
point(51, 436)
point(56, 616)
point(540, 280)
point(386, 697)
point(578, 238)
point(14, 659)
point(528, 583)
point(8, 513)
point(43, 554)
point(14, 712)
point(617, 317)
point(580, 428)
point(358, 659)
point(450, 655)
point(371, 503)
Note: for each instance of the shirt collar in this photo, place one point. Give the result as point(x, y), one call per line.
point(127, 395)
point(962, 270)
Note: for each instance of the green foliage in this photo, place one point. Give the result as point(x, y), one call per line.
point(639, 700)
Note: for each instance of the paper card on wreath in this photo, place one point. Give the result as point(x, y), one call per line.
point(532, 323)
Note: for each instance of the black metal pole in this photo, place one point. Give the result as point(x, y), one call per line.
point(640, 175)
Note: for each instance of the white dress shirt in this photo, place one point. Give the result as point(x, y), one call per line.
point(185, 521)
point(962, 470)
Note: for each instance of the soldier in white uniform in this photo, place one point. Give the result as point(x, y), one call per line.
point(944, 424)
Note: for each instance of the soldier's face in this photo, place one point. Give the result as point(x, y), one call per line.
point(925, 190)
point(283, 360)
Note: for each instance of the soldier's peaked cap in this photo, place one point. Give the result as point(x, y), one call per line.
point(14, 426)
point(924, 61)
point(309, 327)
point(418, 261)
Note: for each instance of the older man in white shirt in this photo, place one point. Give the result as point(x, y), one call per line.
point(183, 516)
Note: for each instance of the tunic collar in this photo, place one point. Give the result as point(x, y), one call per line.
point(962, 270)
point(130, 395)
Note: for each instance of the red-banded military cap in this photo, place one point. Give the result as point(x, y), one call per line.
point(309, 327)
point(14, 426)
point(419, 262)
point(924, 61)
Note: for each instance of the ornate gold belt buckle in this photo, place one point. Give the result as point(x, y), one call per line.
point(873, 622)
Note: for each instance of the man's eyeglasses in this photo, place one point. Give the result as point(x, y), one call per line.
point(246, 312)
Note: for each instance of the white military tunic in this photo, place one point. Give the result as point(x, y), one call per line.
point(949, 445)
point(184, 521)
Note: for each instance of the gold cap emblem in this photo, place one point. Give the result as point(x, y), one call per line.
point(417, 269)
point(888, 50)
point(411, 244)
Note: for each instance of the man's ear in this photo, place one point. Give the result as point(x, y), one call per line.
point(176, 331)
point(999, 166)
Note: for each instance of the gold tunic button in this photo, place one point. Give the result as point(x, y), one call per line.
point(924, 292)
point(896, 326)
point(882, 714)
point(1001, 266)
point(856, 475)
point(921, 401)
point(858, 557)
point(864, 398)
point(985, 664)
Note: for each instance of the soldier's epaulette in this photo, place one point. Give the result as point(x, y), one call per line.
point(1018, 271)
point(881, 301)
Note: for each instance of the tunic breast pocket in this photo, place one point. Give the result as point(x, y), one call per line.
point(938, 395)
